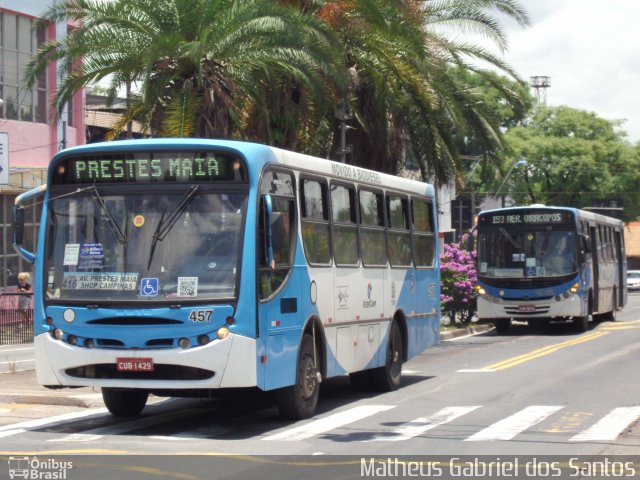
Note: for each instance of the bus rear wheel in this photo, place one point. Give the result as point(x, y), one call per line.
point(387, 378)
point(123, 402)
point(299, 401)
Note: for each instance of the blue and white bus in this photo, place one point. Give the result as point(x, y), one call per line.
point(176, 267)
point(541, 263)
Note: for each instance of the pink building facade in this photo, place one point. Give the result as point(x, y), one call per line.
point(35, 132)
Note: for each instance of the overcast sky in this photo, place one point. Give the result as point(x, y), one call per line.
point(591, 51)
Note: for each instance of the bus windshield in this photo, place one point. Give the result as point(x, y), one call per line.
point(526, 252)
point(179, 244)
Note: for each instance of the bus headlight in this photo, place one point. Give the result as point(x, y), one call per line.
point(58, 334)
point(480, 290)
point(223, 333)
point(574, 288)
point(184, 343)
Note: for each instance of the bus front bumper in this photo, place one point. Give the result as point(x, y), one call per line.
point(228, 363)
point(573, 306)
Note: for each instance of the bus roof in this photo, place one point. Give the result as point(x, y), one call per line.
point(260, 155)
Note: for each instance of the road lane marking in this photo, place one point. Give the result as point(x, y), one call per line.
point(509, 427)
point(331, 422)
point(408, 430)
point(610, 426)
point(541, 352)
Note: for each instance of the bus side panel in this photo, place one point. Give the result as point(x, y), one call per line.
point(424, 329)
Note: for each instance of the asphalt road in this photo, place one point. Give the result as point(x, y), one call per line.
point(553, 392)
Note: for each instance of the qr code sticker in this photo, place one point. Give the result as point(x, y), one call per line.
point(187, 286)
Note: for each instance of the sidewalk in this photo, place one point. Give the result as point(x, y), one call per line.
point(22, 387)
point(472, 329)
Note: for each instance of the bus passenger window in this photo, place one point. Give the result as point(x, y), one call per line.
point(343, 216)
point(315, 222)
point(424, 244)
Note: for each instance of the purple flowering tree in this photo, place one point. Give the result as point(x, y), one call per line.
point(458, 280)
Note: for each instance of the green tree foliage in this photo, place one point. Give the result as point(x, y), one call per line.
point(573, 157)
point(399, 56)
point(509, 104)
point(273, 71)
point(198, 65)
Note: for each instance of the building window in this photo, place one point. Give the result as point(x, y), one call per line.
point(18, 42)
point(10, 262)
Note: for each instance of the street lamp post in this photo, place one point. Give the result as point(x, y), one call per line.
point(519, 163)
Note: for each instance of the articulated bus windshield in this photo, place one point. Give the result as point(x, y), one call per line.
point(526, 251)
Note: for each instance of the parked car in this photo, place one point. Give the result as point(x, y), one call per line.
point(633, 280)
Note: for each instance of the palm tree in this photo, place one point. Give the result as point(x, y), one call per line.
point(402, 88)
point(199, 65)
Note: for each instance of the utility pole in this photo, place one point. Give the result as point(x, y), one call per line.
point(342, 113)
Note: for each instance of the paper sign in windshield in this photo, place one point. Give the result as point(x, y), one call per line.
point(91, 256)
point(71, 252)
point(100, 281)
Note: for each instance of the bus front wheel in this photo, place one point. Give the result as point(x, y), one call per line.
point(123, 402)
point(581, 323)
point(387, 378)
point(502, 325)
point(299, 401)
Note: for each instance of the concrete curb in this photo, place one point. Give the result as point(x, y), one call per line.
point(44, 399)
point(461, 332)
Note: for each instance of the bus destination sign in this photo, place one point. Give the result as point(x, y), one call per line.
point(527, 218)
point(156, 167)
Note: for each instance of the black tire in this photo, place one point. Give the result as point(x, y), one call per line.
point(123, 402)
point(502, 325)
point(388, 377)
point(581, 324)
point(299, 401)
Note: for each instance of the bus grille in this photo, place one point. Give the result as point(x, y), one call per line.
point(160, 372)
point(539, 310)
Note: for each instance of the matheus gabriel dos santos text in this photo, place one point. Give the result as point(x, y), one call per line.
point(514, 467)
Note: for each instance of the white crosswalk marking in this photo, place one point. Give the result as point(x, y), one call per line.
point(418, 426)
point(325, 424)
point(511, 426)
point(123, 427)
point(610, 426)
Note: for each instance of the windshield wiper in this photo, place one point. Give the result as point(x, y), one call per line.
point(545, 242)
point(105, 214)
point(510, 238)
point(164, 228)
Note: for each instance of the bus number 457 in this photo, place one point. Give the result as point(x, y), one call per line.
point(200, 315)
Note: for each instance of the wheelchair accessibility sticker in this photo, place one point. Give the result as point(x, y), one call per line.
point(149, 287)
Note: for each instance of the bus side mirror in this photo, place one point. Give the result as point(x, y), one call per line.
point(18, 224)
point(268, 205)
